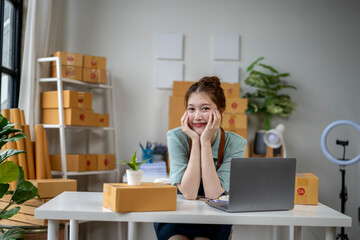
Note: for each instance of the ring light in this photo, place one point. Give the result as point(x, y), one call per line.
point(324, 147)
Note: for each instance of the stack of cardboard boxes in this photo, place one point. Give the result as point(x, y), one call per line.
point(234, 120)
point(77, 109)
point(81, 67)
point(84, 162)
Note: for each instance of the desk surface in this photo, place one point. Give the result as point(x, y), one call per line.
point(88, 206)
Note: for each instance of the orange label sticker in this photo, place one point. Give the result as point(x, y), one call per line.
point(301, 191)
point(106, 162)
point(234, 105)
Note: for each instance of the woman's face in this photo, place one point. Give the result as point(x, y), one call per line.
point(199, 109)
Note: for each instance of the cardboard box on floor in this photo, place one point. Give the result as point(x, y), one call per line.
point(48, 188)
point(71, 99)
point(121, 197)
point(306, 189)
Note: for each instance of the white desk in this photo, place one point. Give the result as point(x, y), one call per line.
point(77, 206)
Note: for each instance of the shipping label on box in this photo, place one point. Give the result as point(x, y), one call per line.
point(231, 90)
point(70, 59)
point(70, 72)
point(48, 188)
point(121, 197)
point(236, 105)
point(234, 121)
point(94, 75)
point(94, 62)
point(72, 116)
point(306, 189)
point(71, 99)
point(106, 161)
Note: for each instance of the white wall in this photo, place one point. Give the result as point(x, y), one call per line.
point(316, 41)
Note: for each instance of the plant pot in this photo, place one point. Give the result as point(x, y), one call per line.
point(134, 177)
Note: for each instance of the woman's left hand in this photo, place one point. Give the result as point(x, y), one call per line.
point(212, 126)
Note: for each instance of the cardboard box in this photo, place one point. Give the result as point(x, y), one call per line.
point(180, 88)
point(106, 161)
point(234, 121)
point(75, 162)
point(52, 187)
point(94, 62)
point(94, 75)
point(69, 59)
point(70, 72)
point(101, 120)
point(240, 131)
point(121, 197)
point(71, 99)
point(306, 189)
point(231, 90)
point(72, 116)
point(236, 105)
point(176, 105)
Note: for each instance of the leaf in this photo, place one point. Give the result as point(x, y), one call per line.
point(3, 121)
point(8, 153)
point(253, 64)
point(13, 234)
point(273, 70)
point(273, 109)
point(133, 159)
point(9, 171)
point(24, 191)
point(4, 187)
point(10, 213)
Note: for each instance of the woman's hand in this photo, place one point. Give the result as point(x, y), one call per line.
point(212, 127)
point(186, 129)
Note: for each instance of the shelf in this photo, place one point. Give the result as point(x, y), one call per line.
point(56, 126)
point(75, 82)
point(84, 173)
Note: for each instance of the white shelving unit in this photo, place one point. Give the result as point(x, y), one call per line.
point(60, 83)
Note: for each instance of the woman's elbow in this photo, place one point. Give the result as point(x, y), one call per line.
point(189, 196)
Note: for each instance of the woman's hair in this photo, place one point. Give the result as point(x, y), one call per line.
point(210, 86)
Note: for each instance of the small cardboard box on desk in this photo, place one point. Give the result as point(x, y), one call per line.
point(306, 189)
point(121, 197)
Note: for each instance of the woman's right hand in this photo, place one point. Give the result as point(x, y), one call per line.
point(186, 129)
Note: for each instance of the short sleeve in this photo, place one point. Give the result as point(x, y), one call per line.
point(235, 147)
point(178, 148)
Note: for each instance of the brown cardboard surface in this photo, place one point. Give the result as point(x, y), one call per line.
point(101, 120)
point(106, 161)
point(234, 121)
point(94, 75)
point(72, 116)
point(48, 188)
point(236, 105)
point(240, 131)
point(121, 197)
point(71, 99)
point(306, 189)
point(67, 58)
point(70, 72)
point(180, 87)
point(231, 90)
point(75, 162)
point(94, 62)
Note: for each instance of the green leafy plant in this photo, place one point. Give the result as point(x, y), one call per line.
point(266, 100)
point(9, 172)
point(133, 164)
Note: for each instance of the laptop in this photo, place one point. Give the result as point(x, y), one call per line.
point(259, 184)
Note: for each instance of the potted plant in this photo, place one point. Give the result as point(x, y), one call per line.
point(134, 174)
point(266, 99)
point(9, 172)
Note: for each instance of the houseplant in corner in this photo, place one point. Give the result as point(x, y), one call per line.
point(266, 99)
point(10, 171)
point(134, 174)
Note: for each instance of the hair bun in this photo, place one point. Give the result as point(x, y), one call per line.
point(214, 80)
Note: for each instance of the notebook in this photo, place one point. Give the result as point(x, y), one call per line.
point(259, 184)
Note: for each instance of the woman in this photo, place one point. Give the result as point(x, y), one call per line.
point(200, 153)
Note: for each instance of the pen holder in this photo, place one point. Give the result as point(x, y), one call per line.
point(147, 154)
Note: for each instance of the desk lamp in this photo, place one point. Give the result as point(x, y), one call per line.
point(274, 138)
point(343, 162)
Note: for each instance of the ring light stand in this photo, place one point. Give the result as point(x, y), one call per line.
point(343, 162)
